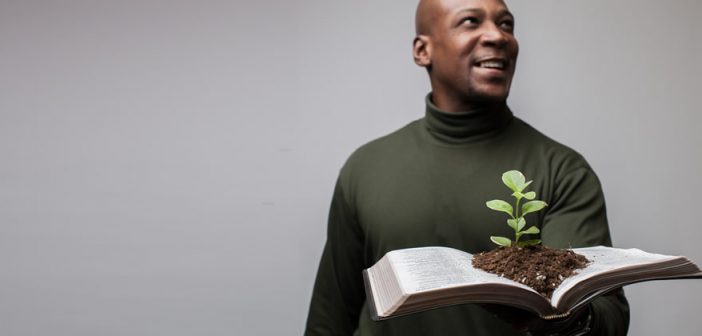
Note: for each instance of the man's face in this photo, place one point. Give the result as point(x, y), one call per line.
point(473, 50)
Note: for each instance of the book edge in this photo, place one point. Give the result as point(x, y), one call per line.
point(370, 299)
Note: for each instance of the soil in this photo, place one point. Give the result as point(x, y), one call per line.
point(539, 267)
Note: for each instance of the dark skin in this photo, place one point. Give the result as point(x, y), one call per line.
point(470, 53)
point(469, 50)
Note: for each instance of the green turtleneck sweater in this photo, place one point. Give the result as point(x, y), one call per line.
point(426, 184)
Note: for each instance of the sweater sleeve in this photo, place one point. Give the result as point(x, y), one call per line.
point(338, 294)
point(576, 217)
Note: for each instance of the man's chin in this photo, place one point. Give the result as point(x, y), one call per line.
point(489, 96)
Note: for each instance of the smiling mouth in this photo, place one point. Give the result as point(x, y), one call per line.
point(492, 64)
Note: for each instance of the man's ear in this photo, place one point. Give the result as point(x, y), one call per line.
point(421, 50)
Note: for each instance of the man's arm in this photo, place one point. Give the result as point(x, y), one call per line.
point(338, 294)
point(577, 217)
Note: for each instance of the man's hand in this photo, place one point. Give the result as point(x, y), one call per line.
point(575, 324)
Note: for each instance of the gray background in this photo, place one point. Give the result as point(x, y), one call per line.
point(167, 165)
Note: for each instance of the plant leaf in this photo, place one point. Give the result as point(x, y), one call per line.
point(502, 241)
point(513, 224)
point(525, 185)
point(532, 206)
point(500, 205)
point(531, 230)
point(513, 179)
point(516, 224)
point(530, 195)
point(529, 242)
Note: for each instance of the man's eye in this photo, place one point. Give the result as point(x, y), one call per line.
point(507, 25)
point(470, 20)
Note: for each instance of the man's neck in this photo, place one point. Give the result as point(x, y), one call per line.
point(454, 105)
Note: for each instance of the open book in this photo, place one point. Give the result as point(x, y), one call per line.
point(416, 279)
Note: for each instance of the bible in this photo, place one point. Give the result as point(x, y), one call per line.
point(416, 279)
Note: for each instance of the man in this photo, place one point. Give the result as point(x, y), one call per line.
point(427, 183)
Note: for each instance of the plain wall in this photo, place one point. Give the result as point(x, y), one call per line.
point(166, 166)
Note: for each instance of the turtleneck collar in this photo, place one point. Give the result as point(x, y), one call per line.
point(465, 127)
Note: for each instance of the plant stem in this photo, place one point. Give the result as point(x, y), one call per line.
point(516, 227)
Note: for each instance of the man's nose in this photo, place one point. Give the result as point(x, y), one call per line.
point(493, 36)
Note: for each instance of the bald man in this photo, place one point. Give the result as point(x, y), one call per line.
point(426, 184)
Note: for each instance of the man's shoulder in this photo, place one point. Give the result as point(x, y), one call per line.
point(549, 149)
point(398, 140)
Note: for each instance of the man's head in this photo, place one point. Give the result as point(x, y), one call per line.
point(469, 50)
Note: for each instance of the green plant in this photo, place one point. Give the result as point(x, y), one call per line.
point(515, 180)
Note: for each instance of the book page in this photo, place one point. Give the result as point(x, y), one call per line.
point(606, 259)
point(429, 268)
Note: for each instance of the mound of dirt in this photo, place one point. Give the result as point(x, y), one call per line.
point(539, 267)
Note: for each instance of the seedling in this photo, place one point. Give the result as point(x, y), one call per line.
point(515, 180)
